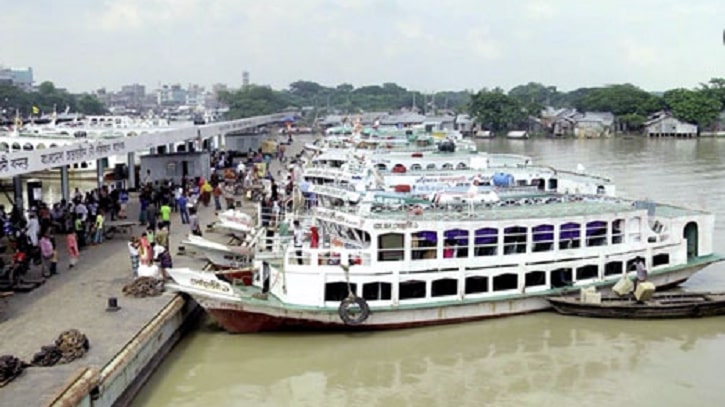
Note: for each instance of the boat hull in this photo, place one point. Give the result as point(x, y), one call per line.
point(247, 315)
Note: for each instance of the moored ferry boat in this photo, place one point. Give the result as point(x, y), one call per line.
point(344, 175)
point(390, 265)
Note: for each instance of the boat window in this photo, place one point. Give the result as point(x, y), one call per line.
point(16, 146)
point(350, 234)
point(596, 233)
point(4, 147)
point(399, 168)
point(416, 167)
point(377, 291)
point(587, 272)
point(613, 268)
point(476, 284)
point(411, 289)
point(338, 291)
point(40, 146)
point(543, 238)
point(514, 240)
point(455, 243)
point(424, 245)
point(363, 237)
point(617, 231)
point(535, 278)
point(461, 166)
point(84, 164)
point(508, 281)
point(660, 259)
point(443, 287)
point(381, 167)
point(553, 184)
point(634, 230)
point(447, 166)
point(540, 183)
point(390, 247)
point(338, 230)
point(486, 242)
point(632, 263)
point(560, 277)
point(569, 236)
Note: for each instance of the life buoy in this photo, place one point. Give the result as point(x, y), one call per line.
point(347, 313)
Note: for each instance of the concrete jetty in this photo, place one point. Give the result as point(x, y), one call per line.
point(77, 298)
point(125, 345)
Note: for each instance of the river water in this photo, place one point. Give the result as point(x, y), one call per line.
point(539, 359)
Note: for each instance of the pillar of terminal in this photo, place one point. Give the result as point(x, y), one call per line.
point(18, 191)
point(64, 183)
point(99, 172)
point(131, 164)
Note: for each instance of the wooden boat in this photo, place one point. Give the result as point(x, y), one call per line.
point(660, 306)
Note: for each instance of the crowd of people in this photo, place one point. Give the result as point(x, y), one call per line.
point(83, 220)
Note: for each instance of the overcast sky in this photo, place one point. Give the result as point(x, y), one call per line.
point(424, 45)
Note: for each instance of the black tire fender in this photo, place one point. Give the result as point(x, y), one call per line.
point(346, 310)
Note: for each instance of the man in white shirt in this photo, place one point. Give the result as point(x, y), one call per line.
point(133, 245)
point(33, 229)
point(298, 236)
point(81, 210)
point(147, 178)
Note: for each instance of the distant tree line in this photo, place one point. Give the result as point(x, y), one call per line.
point(497, 110)
point(494, 109)
point(255, 100)
point(45, 98)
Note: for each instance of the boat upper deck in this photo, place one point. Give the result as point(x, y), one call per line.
point(524, 206)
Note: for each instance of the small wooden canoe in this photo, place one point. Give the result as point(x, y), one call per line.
point(661, 305)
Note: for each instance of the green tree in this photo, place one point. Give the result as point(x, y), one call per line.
point(89, 104)
point(630, 104)
point(693, 106)
point(13, 99)
point(715, 88)
point(497, 111)
point(535, 96)
point(306, 89)
point(253, 100)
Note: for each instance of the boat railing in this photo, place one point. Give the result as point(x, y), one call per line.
point(328, 256)
point(581, 173)
point(463, 210)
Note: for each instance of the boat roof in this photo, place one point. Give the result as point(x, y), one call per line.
point(525, 206)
